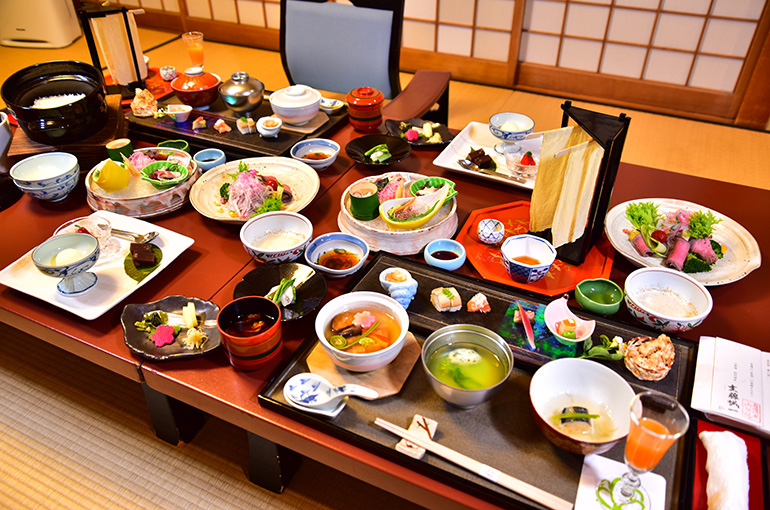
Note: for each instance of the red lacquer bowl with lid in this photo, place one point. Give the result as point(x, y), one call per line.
point(365, 108)
point(196, 87)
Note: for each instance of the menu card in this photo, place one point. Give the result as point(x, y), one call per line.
point(732, 384)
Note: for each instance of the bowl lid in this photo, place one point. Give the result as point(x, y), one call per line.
point(365, 96)
point(195, 78)
point(295, 96)
point(241, 84)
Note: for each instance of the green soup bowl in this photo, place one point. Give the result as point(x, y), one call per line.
point(599, 296)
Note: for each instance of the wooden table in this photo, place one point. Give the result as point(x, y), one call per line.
point(212, 267)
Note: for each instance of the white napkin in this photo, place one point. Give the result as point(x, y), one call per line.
point(597, 468)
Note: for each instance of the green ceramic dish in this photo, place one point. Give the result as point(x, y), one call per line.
point(175, 144)
point(148, 170)
point(433, 182)
point(599, 296)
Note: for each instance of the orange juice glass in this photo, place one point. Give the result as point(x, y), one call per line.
point(193, 41)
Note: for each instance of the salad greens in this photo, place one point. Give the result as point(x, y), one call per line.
point(644, 216)
point(702, 224)
point(607, 350)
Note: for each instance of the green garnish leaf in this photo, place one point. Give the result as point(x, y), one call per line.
point(361, 338)
point(702, 224)
point(224, 191)
point(447, 293)
point(140, 273)
point(575, 416)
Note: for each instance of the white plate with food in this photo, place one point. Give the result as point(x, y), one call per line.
point(296, 177)
point(113, 284)
point(740, 257)
point(476, 135)
point(379, 236)
point(139, 198)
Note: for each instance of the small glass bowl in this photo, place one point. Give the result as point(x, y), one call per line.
point(97, 226)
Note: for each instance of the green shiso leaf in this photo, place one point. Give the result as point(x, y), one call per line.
point(140, 273)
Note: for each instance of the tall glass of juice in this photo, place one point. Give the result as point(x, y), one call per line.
point(193, 41)
point(657, 421)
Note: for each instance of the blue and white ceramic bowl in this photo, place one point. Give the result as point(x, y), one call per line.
point(276, 237)
point(445, 245)
point(399, 284)
point(209, 158)
point(54, 192)
point(510, 127)
point(68, 256)
point(490, 231)
point(336, 241)
point(330, 106)
point(45, 170)
point(302, 149)
point(533, 247)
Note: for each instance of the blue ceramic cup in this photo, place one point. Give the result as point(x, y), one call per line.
point(209, 158)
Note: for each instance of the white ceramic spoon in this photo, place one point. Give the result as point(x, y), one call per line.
point(313, 391)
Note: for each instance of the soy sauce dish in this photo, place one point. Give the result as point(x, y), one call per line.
point(445, 253)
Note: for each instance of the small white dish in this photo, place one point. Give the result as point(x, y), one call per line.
point(330, 106)
point(332, 412)
point(269, 127)
point(557, 311)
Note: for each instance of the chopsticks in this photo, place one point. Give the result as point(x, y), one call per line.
point(488, 472)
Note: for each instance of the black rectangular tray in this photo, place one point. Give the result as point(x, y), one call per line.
point(500, 433)
point(232, 142)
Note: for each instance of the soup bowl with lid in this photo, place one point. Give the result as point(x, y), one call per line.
point(296, 104)
point(386, 310)
point(667, 300)
point(276, 237)
point(466, 364)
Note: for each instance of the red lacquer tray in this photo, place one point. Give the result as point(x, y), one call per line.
point(562, 277)
point(700, 477)
point(157, 86)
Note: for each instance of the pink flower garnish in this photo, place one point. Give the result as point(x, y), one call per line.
point(364, 319)
point(163, 335)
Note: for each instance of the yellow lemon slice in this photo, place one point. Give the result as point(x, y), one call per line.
point(427, 207)
point(111, 176)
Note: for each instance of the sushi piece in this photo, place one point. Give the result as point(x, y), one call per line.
point(221, 126)
point(479, 303)
point(198, 124)
point(246, 125)
point(446, 299)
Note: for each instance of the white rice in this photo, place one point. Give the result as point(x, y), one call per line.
point(56, 101)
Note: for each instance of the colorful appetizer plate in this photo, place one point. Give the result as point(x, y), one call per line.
point(742, 256)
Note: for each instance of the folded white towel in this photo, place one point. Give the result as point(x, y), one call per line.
point(728, 482)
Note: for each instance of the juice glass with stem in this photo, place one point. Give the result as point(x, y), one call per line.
point(193, 41)
point(657, 421)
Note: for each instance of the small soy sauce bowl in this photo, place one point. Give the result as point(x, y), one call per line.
point(445, 253)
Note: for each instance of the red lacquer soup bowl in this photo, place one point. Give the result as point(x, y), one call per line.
point(251, 331)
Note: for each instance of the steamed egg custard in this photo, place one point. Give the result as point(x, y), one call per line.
point(67, 256)
point(466, 366)
point(581, 419)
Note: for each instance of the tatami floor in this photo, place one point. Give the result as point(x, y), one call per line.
point(76, 436)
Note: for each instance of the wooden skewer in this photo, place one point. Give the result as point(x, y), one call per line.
point(488, 472)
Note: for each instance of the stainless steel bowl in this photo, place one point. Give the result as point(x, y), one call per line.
point(241, 93)
point(466, 333)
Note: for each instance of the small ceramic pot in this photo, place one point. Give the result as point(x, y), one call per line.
point(365, 108)
point(490, 231)
point(247, 351)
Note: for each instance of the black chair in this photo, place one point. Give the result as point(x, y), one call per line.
point(339, 47)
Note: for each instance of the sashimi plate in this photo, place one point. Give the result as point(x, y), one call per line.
point(300, 177)
point(741, 258)
point(113, 284)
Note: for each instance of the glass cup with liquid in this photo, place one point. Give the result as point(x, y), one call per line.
point(193, 41)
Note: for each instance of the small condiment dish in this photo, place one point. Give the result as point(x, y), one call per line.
point(319, 153)
point(182, 145)
point(269, 127)
point(557, 311)
point(445, 253)
point(490, 231)
point(599, 295)
point(330, 106)
point(209, 158)
point(179, 112)
point(276, 237)
point(667, 300)
point(337, 254)
point(527, 258)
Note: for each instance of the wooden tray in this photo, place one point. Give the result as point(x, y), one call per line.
point(562, 277)
point(500, 433)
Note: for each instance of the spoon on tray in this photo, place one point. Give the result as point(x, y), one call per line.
point(313, 391)
point(470, 165)
point(133, 236)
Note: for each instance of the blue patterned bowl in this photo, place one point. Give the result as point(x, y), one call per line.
point(69, 257)
point(54, 192)
point(510, 127)
point(517, 249)
point(45, 170)
point(336, 241)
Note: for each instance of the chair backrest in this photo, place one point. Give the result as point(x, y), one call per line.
point(339, 47)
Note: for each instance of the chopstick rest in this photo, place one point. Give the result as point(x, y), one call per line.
point(420, 426)
point(488, 472)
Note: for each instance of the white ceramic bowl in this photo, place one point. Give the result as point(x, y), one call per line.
point(666, 300)
point(53, 192)
point(269, 126)
point(45, 170)
point(179, 112)
point(296, 104)
point(580, 382)
point(69, 257)
point(336, 241)
point(523, 126)
point(528, 246)
point(276, 237)
point(314, 145)
point(364, 362)
point(444, 245)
